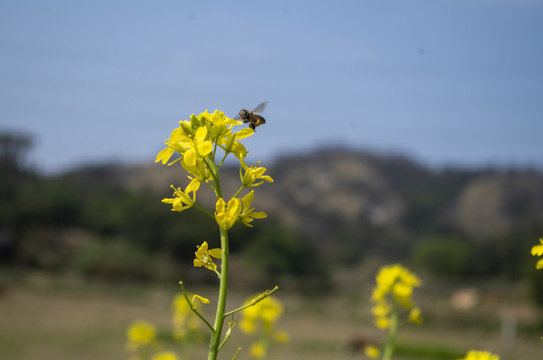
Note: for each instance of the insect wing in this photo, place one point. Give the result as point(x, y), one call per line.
point(260, 108)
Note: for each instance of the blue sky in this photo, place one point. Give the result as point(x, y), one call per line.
point(447, 82)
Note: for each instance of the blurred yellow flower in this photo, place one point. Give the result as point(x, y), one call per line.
point(480, 355)
point(371, 352)
point(166, 355)
point(394, 283)
point(258, 350)
point(139, 334)
point(281, 337)
point(262, 316)
point(537, 250)
point(259, 320)
point(415, 316)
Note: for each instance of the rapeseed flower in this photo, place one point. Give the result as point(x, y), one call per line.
point(258, 350)
point(248, 214)
point(372, 352)
point(261, 316)
point(253, 174)
point(165, 355)
point(394, 283)
point(259, 320)
point(204, 257)
point(226, 215)
point(182, 200)
point(537, 250)
point(140, 334)
point(197, 147)
point(480, 355)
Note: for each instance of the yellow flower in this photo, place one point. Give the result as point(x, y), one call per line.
point(197, 147)
point(281, 337)
point(248, 214)
point(261, 316)
point(371, 352)
point(166, 355)
point(218, 123)
point(398, 280)
point(182, 199)
point(189, 140)
point(415, 316)
point(140, 333)
point(382, 322)
point(480, 355)
point(204, 257)
point(253, 174)
point(381, 309)
point(173, 145)
point(226, 214)
point(537, 250)
point(258, 350)
point(394, 284)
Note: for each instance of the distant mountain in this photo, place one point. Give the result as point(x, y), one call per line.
point(338, 197)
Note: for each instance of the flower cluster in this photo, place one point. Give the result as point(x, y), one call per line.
point(393, 291)
point(260, 320)
point(480, 355)
point(196, 143)
point(537, 250)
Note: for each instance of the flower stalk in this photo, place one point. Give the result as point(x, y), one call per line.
point(197, 142)
point(221, 305)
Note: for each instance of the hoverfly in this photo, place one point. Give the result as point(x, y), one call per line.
point(251, 116)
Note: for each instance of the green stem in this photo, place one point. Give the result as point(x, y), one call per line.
point(204, 211)
point(392, 329)
point(219, 317)
point(253, 302)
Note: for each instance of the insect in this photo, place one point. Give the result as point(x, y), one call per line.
point(251, 116)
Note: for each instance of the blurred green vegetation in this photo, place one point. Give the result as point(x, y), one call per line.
point(103, 229)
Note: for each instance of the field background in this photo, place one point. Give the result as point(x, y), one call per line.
point(65, 317)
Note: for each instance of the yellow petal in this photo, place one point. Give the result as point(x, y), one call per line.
point(242, 134)
point(247, 200)
point(164, 155)
point(216, 253)
point(201, 298)
point(190, 157)
point(201, 134)
point(205, 148)
point(537, 250)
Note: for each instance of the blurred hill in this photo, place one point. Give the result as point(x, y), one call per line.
point(362, 201)
point(332, 206)
point(363, 189)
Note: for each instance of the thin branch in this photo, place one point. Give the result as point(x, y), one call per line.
point(193, 308)
point(253, 302)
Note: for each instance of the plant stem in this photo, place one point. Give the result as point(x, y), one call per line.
point(221, 304)
point(392, 329)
